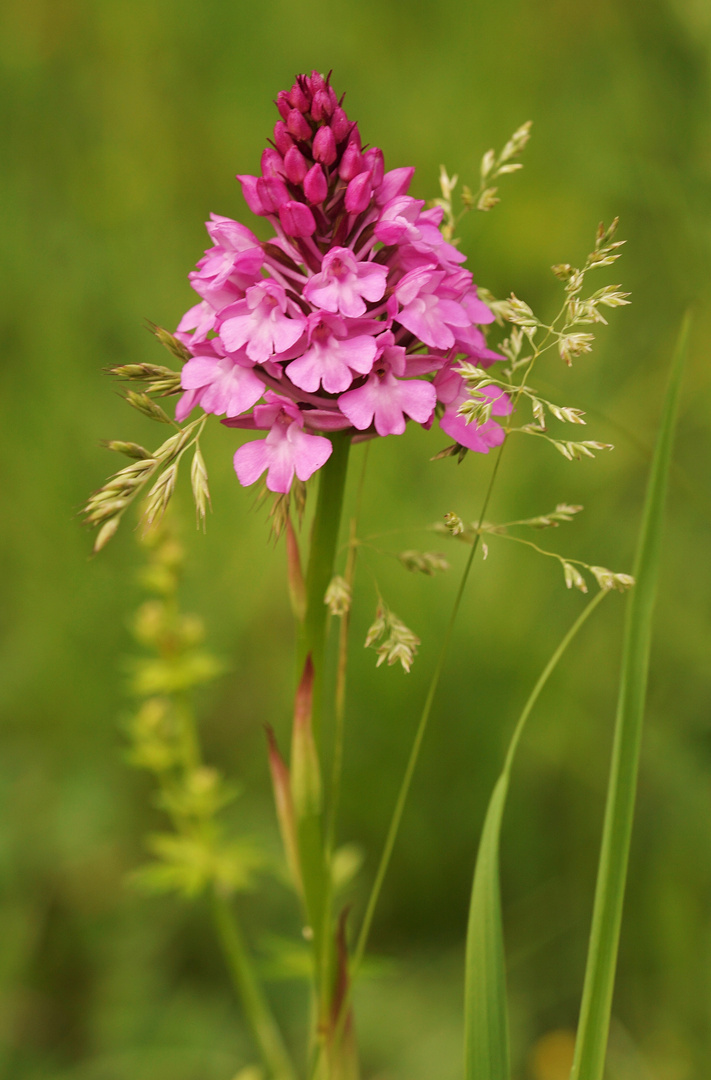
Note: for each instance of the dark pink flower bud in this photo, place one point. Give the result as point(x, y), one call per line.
point(374, 161)
point(351, 162)
point(282, 138)
point(359, 192)
point(296, 219)
point(298, 99)
point(272, 193)
point(324, 146)
point(251, 195)
point(316, 82)
point(295, 165)
point(354, 137)
point(272, 162)
point(315, 185)
point(340, 124)
point(321, 106)
point(282, 104)
point(298, 125)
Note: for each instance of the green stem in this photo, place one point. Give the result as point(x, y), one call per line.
point(340, 695)
point(324, 541)
point(313, 858)
point(256, 1009)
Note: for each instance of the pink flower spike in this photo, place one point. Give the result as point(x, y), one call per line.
point(355, 298)
point(344, 283)
point(285, 451)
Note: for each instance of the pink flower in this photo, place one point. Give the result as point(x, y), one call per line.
point(286, 450)
point(351, 317)
point(426, 314)
point(479, 437)
point(260, 321)
point(344, 284)
point(227, 384)
point(332, 356)
point(452, 391)
point(384, 401)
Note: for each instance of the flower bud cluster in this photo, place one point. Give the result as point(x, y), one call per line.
point(350, 318)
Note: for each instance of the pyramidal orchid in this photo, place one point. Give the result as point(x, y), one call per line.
point(352, 317)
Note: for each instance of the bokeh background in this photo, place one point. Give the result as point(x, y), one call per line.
point(124, 123)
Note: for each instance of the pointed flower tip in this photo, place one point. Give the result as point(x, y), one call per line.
point(304, 695)
point(271, 740)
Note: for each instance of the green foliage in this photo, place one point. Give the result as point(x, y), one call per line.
point(189, 866)
point(196, 856)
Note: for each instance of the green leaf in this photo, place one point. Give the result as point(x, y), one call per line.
point(594, 1024)
point(486, 1039)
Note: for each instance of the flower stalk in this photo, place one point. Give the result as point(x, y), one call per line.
point(324, 541)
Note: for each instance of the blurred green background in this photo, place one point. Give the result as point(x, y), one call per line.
point(124, 123)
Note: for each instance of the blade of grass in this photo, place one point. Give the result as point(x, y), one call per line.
point(486, 1039)
point(591, 1043)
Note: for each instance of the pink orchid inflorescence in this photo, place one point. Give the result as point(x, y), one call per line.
point(352, 317)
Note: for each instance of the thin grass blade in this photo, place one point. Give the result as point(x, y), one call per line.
point(486, 1036)
point(591, 1044)
point(486, 1040)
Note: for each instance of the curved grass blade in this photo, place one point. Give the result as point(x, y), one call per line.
point(591, 1043)
point(486, 1038)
